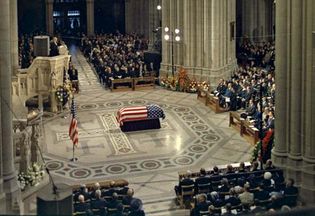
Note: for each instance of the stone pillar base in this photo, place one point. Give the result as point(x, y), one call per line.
point(211, 75)
point(2, 203)
point(294, 171)
point(279, 159)
point(307, 187)
point(13, 194)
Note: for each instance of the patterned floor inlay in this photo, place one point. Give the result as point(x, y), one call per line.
point(188, 137)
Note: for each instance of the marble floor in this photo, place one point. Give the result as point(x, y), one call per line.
point(191, 137)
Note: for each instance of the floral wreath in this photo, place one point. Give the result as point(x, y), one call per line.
point(62, 94)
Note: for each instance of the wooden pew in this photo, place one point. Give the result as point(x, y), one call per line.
point(104, 184)
point(144, 83)
point(222, 168)
point(213, 103)
point(246, 128)
point(210, 100)
point(202, 95)
point(250, 133)
point(116, 87)
point(236, 121)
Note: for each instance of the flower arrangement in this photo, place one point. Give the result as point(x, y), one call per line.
point(63, 93)
point(183, 83)
point(204, 85)
point(34, 174)
point(193, 86)
point(183, 80)
point(256, 151)
point(169, 83)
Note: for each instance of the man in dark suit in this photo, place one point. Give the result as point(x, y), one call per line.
point(233, 199)
point(184, 182)
point(203, 181)
point(290, 189)
point(251, 109)
point(82, 206)
point(127, 199)
point(113, 203)
point(201, 206)
point(54, 51)
point(93, 192)
point(261, 194)
point(98, 203)
point(82, 191)
point(107, 193)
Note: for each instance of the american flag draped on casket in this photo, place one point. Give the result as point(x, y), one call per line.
point(139, 113)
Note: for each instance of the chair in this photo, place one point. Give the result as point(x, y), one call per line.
point(215, 182)
point(187, 191)
point(232, 178)
point(203, 188)
point(203, 213)
point(79, 213)
point(262, 203)
point(126, 208)
point(96, 211)
point(111, 211)
point(290, 200)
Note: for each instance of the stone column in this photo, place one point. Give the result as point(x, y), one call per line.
point(279, 152)
point(8, 171)
point(207, 51)
point(90, 17)
point(165, 45)
point(2, 194)
point(307, 190)
point(294, 81)
point(249, 18)
point(49, 17)
point(14, 36)
point(152, 23)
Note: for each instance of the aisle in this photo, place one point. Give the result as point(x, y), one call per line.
point(87, 78)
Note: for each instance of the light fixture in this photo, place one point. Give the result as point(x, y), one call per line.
point(176, 31)
point(177, 38)
point(166, 29)
point(159, 7)
point(166, 37)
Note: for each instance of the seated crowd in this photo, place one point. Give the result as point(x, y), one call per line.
point(253, 80)
point(241, 190)
point(26, 51)
point(115, 200)
point(115, 55)
point(26, 48)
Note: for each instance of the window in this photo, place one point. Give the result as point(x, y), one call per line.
point(74, 13)
point(56, 14)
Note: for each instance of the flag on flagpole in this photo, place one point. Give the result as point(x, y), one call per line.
point(73, 129)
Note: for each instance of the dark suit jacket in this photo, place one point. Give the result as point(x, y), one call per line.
point(234, 201)
point(185, 181)
point(53, 49)
point(262, 195)
point(290, 190)
point(83, 207)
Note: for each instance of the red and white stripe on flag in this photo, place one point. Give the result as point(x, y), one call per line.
point(73, 131)
point(132, 114)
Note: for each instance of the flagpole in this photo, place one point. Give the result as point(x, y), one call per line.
point(73, 159)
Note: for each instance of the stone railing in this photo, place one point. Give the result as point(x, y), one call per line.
point(41, 79)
